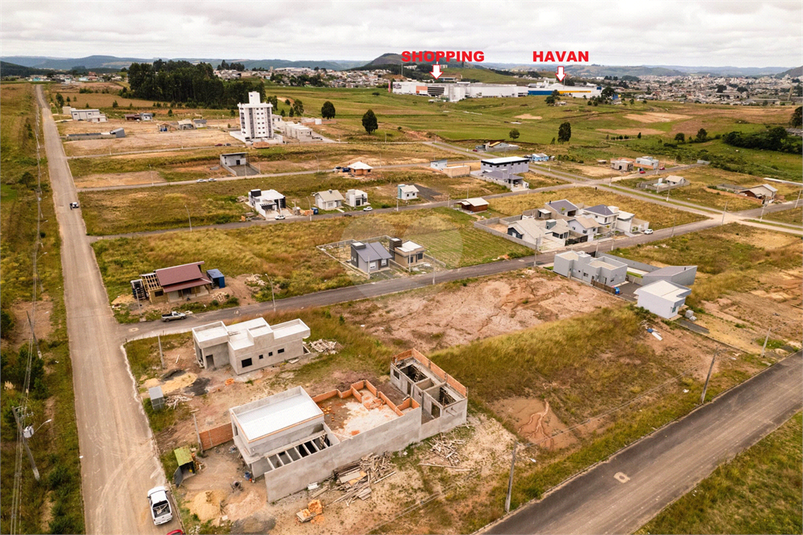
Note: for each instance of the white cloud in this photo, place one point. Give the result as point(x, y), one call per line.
point(712, 33)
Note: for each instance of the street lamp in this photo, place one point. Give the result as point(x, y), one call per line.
point(272, 296)
point(30, 431)
point(309, 203)
point(188, 216)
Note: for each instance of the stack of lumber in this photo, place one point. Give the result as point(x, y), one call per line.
point(355, 479)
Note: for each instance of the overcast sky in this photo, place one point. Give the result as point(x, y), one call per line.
point(631, 32)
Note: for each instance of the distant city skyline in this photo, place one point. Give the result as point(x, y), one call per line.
point(711, 34)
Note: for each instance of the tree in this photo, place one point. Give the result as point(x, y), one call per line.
point(550, 100)
point(298, 106)
point(6, 323)
point(170, 112)
point(292, 112)
point(284, 113)
point(369, 122)
point(565, 132)
point(328, 110)
point(514, 134)
point(68, 100)
point(639, 135)
point(607, 92)
point(114, 104)
point(702, 135)
point(59, 100)
point(287, 101)
point(632, 101)
point(797, 118)
point(680, 137)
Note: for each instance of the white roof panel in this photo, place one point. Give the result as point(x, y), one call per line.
point(268, 419)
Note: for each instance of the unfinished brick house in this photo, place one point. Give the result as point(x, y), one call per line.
point(294, 439)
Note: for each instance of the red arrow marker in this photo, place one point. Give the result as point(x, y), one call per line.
point(436, 71)
point(560, 74)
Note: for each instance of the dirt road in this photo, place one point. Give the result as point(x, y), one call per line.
point(119, 462)
point(624, 493)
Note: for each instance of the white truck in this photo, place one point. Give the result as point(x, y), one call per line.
point(160, 506)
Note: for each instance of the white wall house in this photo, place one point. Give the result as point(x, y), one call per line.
point(256, 118)
point(647, 161)
point(585, 226)
point(249, 345)
point(265, 202)
point(662, 298)
point(356, 198)
point(89, 115)
point(328, 200)
point(603, 215)
point(407, 192)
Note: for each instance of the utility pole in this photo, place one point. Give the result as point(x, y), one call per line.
point(708, 377)
point(798, 197)
point(766, 339)
point(725, 211)
point(674, 218)
point(763, 206)
point(510, 480)
point(161, 355)
point(188, 216)
point(272, 296)
point(25, 442)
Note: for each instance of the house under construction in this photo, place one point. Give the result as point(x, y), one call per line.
point(294, 439)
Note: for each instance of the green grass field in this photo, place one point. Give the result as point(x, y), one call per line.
point(288, 252)
point(658, 216)
point(757, 492)
point(793, 216)
point(155, 208)
point(55, 446)
point(703, 188)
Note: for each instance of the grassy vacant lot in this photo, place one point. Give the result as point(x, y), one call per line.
point(53, 505)
point(704, 181)
point(658, 216)
point(143, 209)
point(730, 257)
point(193, 164)
point(794, 216)
point(758, 492)
point(288, 251)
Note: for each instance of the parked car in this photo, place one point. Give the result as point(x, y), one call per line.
point(212, 180)
point(176, 532)
point(662, 168)
point(200, 180)
point(641, 171)
point(73, 205)
point(367, 209)
point(648, 231)
point(160, 506)
point(173, 316)
point(280, 217)
point(217, 145)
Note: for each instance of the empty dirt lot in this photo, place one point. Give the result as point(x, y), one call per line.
point(437, 319)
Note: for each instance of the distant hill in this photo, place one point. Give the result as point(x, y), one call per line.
point(797, 72)
point(12, 69)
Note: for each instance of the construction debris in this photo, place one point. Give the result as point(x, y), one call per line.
point(356, 478)
point(313, 509)
point(324, 347)
point(173, 401)
point(447, 449)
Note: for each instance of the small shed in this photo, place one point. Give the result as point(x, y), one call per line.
point(217, 278)
point(234, 158)
point(186, 465)
point(157, 397)
point(118, 132)
point(476, 204)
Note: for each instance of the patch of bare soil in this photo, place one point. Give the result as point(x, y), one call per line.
point(507, 303)
point(118, 179)
point(534, 420)
point(631, 131)
point(42, 326)
point(528, 116)
point(655, 117)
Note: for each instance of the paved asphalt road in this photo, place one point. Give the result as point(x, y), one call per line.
point(375, 289)
point(119, 460)
point(624, 493)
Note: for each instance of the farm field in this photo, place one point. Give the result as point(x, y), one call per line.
point(658, 216)
point(204, 163)
point(748, 280)
point(757, 492)
point(144, 209)
point(288, 252)
point(703, 188)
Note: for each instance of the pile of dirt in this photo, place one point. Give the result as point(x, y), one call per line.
point(206, 504)
point(261, 522)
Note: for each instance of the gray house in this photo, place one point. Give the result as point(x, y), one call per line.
point(662, 298)
point(510, 164)
point(370, 257)
point(583, 266)
point(562, 208)
point(683, 275)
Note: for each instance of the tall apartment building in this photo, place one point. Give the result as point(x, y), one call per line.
point(256, 118)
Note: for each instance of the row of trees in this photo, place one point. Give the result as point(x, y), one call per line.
point(181, 81)
point(775, 139)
